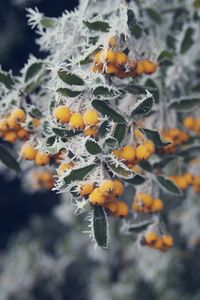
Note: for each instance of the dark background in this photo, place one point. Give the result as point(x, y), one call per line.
point(17, 41)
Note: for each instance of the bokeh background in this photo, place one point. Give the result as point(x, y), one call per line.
point(42, 258)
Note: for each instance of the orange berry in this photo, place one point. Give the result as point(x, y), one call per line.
point(128, 153)
point(4, 126)
point(64, 167)
point(86, 189)
point(28, 152)
point(36, 122)
point(182, 182)
point(112, 69)
point(189, 122)
point(22, 134)
point(76, 121)
point(151, 237)
point(159, 244)
point(111, 206)
point(188, 178)
point(121, 58)
point(18, 114)
point(149, 66)
point(150, 146)
point(140, 68)
point(112, 41)
point(168, 240)
point(96, 197)
point(62, 114)
point(157, 205)
point(122, 209)
point(91, 131)
point(10, 136)
point(107, 187)
point(42, 159)
point(118, 187)
point(91, 118)
point(12, 123)
point(146, 199)
point(116, 153)
point(142, 152)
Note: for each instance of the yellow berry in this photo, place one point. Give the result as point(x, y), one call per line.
point(121, 58)
point(122, 209)
point(28, 152)
point(111, 206)
point(97, 68)
point(149, 66)
point(189, 122)
point(117, 153)
point(128, 153)
point(76, 121)
point(159, 244)
point(12, 123)
point(107, 187)
point(146, 199)
point(140, 68)
point(97, 57)
point(22, 134)
point(142, 152)
point(64, 167)
point(91, 118)
point(62, 114)
point(96, 197)
point(91, 131)
point(168, 240)
point(86, 189)
point(112, 41)
point(18, 114)
point(42, 159)
point(139, 134)
point(36, 122)
point(157, 205)
point(150, 146)
point(182, 182)
point(110, 56)
point(4, 125)
point(118, 187)
point(10, 136)
point(151, 237)
point(112, 69)
point(188, 178)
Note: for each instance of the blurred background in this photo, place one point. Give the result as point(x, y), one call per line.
point(43, 254)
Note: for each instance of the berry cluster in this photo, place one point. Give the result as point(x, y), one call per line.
point(119, 64)
point(87, 122)
point(176, 137)
point(157, 241)
point(43, 179)
point(192, 124)
point(145, 203)
point(29, 152)
point(183, 181)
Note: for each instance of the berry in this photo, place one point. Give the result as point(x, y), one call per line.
point(189, 122)
point(112, 41)
point(146, 199)
point(22, 134)
point(36, 122)
point(42, 159)
point(168, 240)
point(107, 187)
point(96, 197)
point(121, 58)
point(150, 146)
point(86, 189)
point(142, 152)
point(159, 244)
point(62, 114)
point(64, 167)
point(76, 121)
point(182, 182)
point(4, 126)
point(111, 206)
point(151, 237)
point(157, 205)
point(188, 178)
point(117, 153)
point(91, 118)
point(18, 114)
point(111, 56)
point(122, 209)
point(91, 131)
point(112, 69)
point(149, 66)
point(140, 68)
point(128, 153)
point(28, 152)
point(118, 187)
point(10, 136)
point(12, 123)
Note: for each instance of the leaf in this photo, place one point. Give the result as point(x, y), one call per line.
point(196, 4)
point(154, 89)
point(65, 133)
point(144, 105)
point(105, 110)
point(131, 20)
point(155, 137)
point(187, 40)
point(92, 147)
point(105, 92)
point(137, 31)
point(119, 170)
point(141, 226)
point(97, 25)
point(7, 159)
point(136, 180)
point(78, 174)
point(70, 78)
point(100, 226)
point(33, 70)
point(168, 185)
point(111, 143)
point(153, 15)
point(185, 104)
point(68, 93)
point(6, 79)
point(119, 132)
point(164, 55)
point(145, 165)
point(35, 112)
point(103, 128)
point(190, 151)
point(171, 42)
point(50, 140)
point(47, 22)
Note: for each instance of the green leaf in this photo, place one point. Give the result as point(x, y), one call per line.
point(120, 171)
point(145, 165)
point(141, 226)
point(119, 132)
point(131, 20)
point(50, 140)
point(103, 128)
point(70, 78)
point(105, 110)
point(97, 25)
point(155, 137)
point(33, 70)
point(68, 93)
point(171, 42)
point(196, 4)
point(154, 89)
point(168, 185)
point(65, 133)
point(187, 40)
point(100, 226)
point(35, 112)
point(47, 22)
point(110, 143)
point(136, 180)
point(137, 31)
point(153, 15)
point(105, 92)
point(164, 54)
point(92, 147)
point(78, 174)
point(33, 85)
point(143, 106)
point(7, 159)
point(6, 79)
point(185, 104)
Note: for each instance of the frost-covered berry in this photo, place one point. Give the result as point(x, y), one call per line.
point(76, 121)
point(107, 187)
point(18, 114)
point(140, 68)
point(91, 118)
point(122, 209)
point(121, 58)
point(22, 134)
point(42, 159)
point(64, 167)
point(91, 131)
point(142, 152)
point(86, 189)
point(4, 126)
point(96, 197)
point(10, 136)
point(62, 114)
point(128, 153)
point(151, 237)
point(118, 187)
point(28, 152)
point(112, 42)
point(149, 66)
